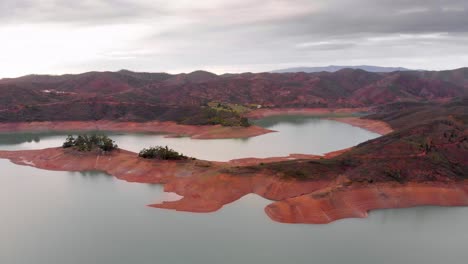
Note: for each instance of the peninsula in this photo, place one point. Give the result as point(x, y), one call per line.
point(420, 159)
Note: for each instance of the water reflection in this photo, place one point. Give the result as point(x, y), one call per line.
point(35, 137)
point(272, 121)
point(18, 138)
point(94, 174)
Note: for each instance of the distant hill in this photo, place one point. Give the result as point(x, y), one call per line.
point(334, 68)
point(140, 96)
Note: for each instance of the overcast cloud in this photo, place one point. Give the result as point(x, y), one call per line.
point(61, 36)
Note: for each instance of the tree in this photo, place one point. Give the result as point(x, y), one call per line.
point(244, 122)
point(162, 153)
point(107, 144)
point(88, 143)
point(69, 142)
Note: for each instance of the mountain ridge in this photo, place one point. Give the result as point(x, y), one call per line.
point(335, 68)
point(140, 96)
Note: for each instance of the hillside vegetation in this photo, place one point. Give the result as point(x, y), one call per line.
point(430, 144)
point(205, 98)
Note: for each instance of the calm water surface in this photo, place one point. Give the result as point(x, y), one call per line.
point(295, 134)
point(63, 217)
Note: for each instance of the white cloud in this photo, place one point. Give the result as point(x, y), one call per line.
point(43, 48)
point(60, 36)
point(413, 10)
point(453, 9)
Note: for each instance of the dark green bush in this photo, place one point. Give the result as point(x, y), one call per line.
point(395, 174)
point(161, 153)
point(88, 143)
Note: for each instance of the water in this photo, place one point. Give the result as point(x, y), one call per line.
point(295, 134)
point(63, 217)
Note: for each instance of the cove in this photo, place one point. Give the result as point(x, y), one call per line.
point(90, 217)
point(295, 134)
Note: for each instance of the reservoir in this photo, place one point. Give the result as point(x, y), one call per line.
point(296, 135)
point(50, 217)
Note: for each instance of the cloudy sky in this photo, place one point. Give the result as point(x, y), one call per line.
point(69, 36)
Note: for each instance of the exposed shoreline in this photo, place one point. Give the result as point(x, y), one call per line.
point(171, 128)
point(343, 115)
point(324, 112)
point(207, 186)
point(375, 126)
point(330, 204)
point(199, 132)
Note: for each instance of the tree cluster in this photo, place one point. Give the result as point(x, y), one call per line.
point(161, 153)
point(90, 142)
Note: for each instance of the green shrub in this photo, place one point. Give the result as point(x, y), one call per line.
point(216, 116)
point(395, 174)
point(244, 122)
point(88, 143)
point(161, 153)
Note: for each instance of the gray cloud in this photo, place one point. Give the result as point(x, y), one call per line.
point(257, 35)
point(69, 11)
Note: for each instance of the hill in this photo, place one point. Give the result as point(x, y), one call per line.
point(334, 68)
point(190, 98)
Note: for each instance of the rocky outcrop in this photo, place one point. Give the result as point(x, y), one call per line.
point(328, 205)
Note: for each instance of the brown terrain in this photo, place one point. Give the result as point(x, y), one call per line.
point(323, 112)
point(193, 131)
point(420, 160)
point(375, 126)
point(171, 128)
point(184, 98)
point(424, 164)
point(206, 186)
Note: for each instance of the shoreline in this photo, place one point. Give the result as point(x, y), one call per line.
point(171, 128)
point(332, 204)
point(207, 186)
point(375, 126)
point(343, 115)
point(320, 112)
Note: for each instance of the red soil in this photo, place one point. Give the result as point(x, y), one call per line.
point(195, 132)
point(203, 184)
point(207, 186)
point(325, 206)
point(159, 92)
point(375, 126)
point(256, 161)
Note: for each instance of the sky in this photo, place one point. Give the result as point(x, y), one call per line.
point(69, 36)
